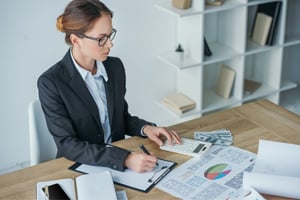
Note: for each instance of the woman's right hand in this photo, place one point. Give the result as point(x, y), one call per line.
point(140, 162)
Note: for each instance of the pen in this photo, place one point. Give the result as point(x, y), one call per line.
point(143, 148)
point(75, 188)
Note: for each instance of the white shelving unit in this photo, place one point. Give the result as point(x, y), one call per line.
point(227, 30)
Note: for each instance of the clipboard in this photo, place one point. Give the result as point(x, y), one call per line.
point(143, 182)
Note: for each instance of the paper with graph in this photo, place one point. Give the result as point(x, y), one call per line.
point(216, 175)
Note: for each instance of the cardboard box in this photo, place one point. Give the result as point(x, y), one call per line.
point(181, 4)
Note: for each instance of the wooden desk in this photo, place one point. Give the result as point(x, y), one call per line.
point(248, 124)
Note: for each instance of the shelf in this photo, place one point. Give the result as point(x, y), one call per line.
point(257, 2)
point(228, 4)
point(227, 29)
point(253, 48)
point(167, 7)
point(220, 53)
point(262, 91)
point(213, 102)
point(173, 59)
point(287, 85)
point(290, 100)
point(291, 40)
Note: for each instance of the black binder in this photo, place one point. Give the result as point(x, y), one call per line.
point(271, 9)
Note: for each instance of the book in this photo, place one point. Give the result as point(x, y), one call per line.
point(87, 186)
point(214, 2)
point(139, 181)
point(250, 85)
point(225, 81)
point(271, 9)
point(261, 28)
point(179, 103)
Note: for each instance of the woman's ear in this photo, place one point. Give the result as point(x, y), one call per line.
point(75, 40)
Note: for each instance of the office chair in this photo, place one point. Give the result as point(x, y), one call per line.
point(42, 145)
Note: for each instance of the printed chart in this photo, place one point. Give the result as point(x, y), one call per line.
point(217, 171)
point(216, 175)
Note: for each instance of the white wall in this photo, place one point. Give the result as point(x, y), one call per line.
point(30, 43)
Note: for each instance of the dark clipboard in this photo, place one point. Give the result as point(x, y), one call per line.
point(137, 181)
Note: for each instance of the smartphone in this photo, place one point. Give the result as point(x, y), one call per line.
point(55, 192)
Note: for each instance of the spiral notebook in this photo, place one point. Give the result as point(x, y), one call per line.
point(139, 181)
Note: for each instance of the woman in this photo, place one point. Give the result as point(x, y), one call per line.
point(83, 95)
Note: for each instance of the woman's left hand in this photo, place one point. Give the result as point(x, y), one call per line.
point(154, 134)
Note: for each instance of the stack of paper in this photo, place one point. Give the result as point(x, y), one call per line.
point(179, 103)
point(276, 170)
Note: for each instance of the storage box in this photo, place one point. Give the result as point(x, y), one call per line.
point(181, 4)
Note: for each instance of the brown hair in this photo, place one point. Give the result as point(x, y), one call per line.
point(79, 16)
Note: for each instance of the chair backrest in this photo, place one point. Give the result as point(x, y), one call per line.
point(42, 145)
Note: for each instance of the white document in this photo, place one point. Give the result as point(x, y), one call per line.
point(276, 170)
point(89, 186)
point(249, 194)
point(121, 195)
point(129, 178)
point(216, 175)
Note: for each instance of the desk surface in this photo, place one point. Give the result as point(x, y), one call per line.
point(248, 124)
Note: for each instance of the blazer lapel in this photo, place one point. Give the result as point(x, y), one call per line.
point(79, 87)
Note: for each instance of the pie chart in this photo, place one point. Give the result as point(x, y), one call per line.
point(217, 171)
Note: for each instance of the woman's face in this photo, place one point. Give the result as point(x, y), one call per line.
point(89, 48)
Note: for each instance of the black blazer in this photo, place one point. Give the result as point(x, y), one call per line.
point(72, 115)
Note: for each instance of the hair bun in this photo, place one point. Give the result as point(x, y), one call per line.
point(59, 24)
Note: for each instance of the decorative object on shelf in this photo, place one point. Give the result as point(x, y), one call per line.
point(225, 81)
point(179, 103)
point(251, 86)
point(180, 52)
point(207, 51)
point(271, 9)
point(261, 28)
point(181, 4)
point(214, 2)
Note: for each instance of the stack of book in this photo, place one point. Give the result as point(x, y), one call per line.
point(266, 19)
point(179, 103)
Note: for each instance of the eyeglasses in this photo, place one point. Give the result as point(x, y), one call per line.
point(101, 40)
